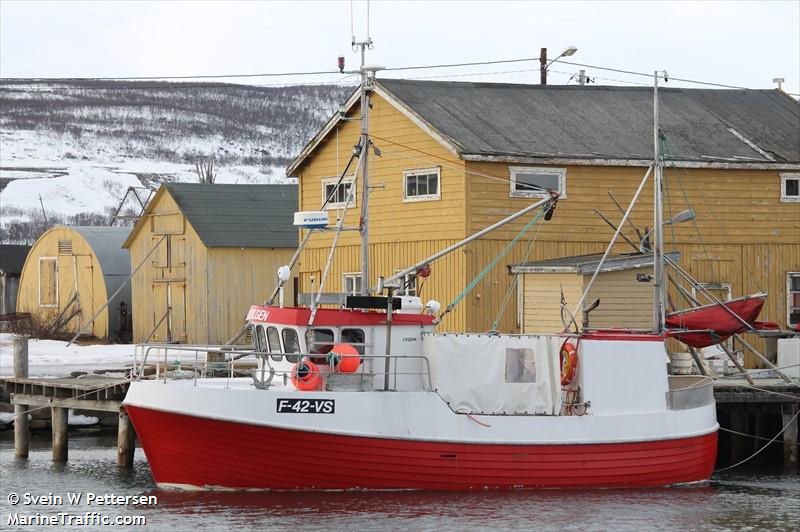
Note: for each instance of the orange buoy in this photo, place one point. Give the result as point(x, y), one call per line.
point(345, 358)
point(306, 376)
point(569, 363)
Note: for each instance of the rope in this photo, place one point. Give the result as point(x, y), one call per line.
point(514, 283)
point(762, 448)
point(478, 278)
point(754, 436)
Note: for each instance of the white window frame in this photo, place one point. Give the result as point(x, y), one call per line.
point(55, 275)
point(789, 292)
point(356, 277)
point(561, 173)
point(423, 171)
point(402, 291)
point(338, 204)
point(784, 179)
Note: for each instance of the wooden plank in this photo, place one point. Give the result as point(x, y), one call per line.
point(80, 404)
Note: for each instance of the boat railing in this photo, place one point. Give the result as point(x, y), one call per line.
point(234, 355)
point(185, 355)
point(689, 391)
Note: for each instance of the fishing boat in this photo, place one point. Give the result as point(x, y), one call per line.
point(362, 392)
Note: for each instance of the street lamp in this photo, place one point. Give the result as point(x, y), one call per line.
point(544, 64)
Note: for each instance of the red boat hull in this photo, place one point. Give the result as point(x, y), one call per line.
point(192, 451)
point(723, 323)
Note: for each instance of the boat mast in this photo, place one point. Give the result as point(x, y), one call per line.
point(367, 75)
point(658, 220)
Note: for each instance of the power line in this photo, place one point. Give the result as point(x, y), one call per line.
point(390, 69)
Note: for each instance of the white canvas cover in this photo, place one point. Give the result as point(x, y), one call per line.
point(495, 374)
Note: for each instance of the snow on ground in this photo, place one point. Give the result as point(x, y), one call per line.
point(52, 358)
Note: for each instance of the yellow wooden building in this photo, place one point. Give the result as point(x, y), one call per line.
point(70, 274)
point(207, 252)
point(456, 157)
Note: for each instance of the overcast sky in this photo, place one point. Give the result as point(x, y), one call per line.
point(734, 43)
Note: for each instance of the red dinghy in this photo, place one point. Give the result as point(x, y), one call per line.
point(712, 324)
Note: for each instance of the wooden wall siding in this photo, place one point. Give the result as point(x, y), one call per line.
point(180, 275)
point(78, 269)
point(624, 301)
point(391, 220)
point(445, 283)
point(733, 206)
point(483, 310)
point(542, 296)
point(238, 278)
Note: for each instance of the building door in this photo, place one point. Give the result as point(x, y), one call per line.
point(169, 312)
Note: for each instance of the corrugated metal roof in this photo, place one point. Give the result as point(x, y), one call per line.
point(583, 122)
point(587, 264)
point(227, 215)
point(12, 258)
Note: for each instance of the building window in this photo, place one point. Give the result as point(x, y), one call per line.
point(790, 187)
point(793, 298)
point(533, 182)
point(408, 287)
point(351, 284)
point(337, 195)
point(421, 185)
point(48, 282)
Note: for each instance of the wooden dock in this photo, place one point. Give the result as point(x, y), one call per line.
point(101, 394)
point(760, 411)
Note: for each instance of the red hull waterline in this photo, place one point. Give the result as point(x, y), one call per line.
point(187, 451)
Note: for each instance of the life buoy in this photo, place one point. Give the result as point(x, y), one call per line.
point(345, 358)
point(306, 376)
point(569, 362)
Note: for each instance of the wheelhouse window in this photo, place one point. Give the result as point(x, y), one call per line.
point(291, 344)
point(793, 297)
point(790, 188)
point(421, 185)
point(337, 195)
point(351, 283)
point(535, 182)
point(319, 341)
point(260, 339)
point(355, 337)
point(274, 343)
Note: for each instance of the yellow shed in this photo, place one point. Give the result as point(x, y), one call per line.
point(623, 286)
point(70, 273)
point(205, 253)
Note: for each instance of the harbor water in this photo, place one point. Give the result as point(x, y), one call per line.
point(734, 500)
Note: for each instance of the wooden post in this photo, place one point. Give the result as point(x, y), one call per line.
point(60, 436)
point(790, 451)
point(22, 433)
point(125, 441)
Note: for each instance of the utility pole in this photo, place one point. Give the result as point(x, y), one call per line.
point(543, 66)
point(582, 77)
point(658, 220)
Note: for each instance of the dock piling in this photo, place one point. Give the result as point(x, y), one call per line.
point(790, 452)
point(22, 433)
point(125, 442)
point(60, 423)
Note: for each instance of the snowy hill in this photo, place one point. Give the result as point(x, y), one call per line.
point(72, 149)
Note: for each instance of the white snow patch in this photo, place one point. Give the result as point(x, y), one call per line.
point(52, 358)
point(81, 420)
